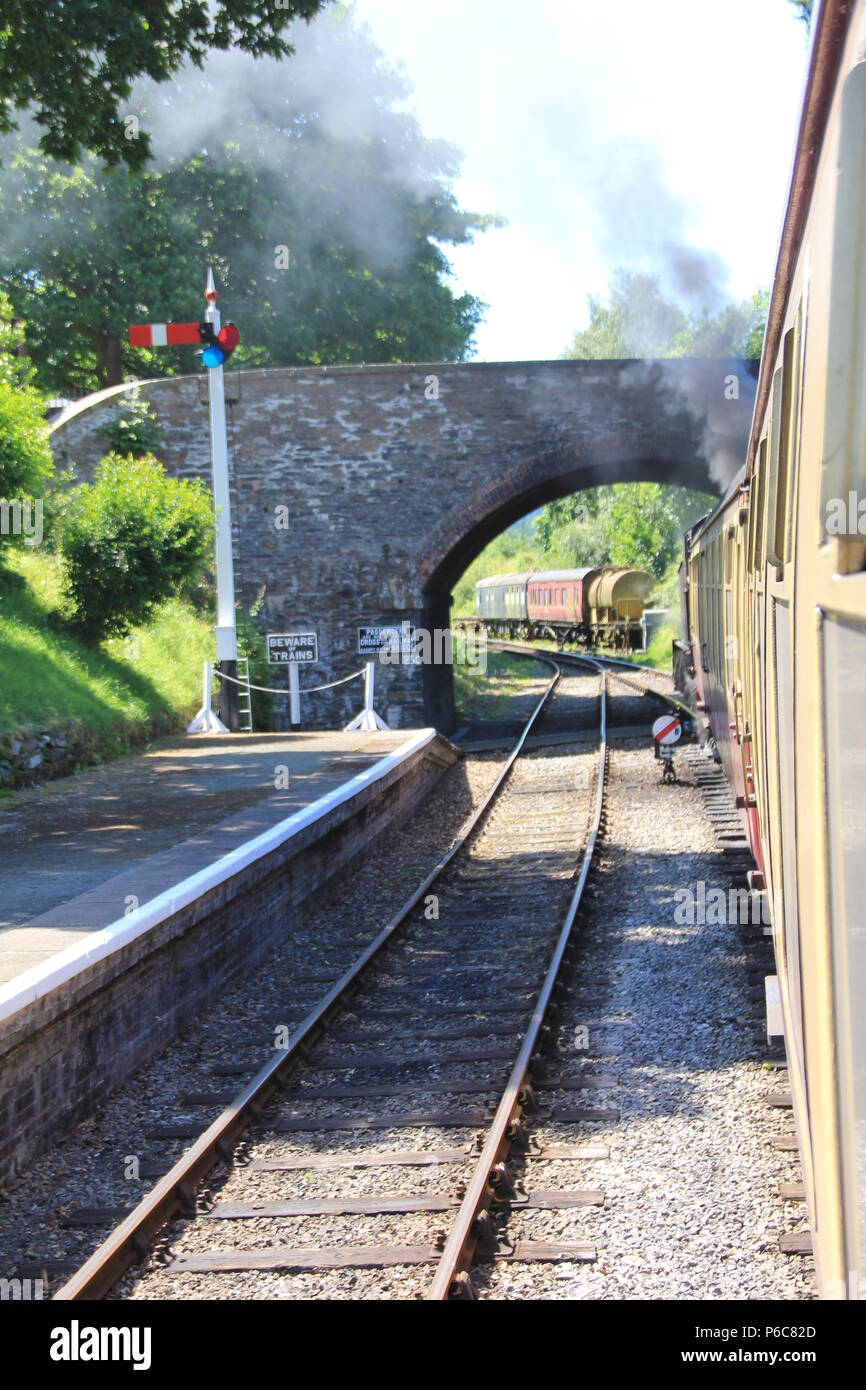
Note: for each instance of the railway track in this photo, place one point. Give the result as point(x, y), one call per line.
point(431, 1128)
point(625, 673)
point(422, 1061)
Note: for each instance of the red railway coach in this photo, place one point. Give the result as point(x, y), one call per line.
point(556, 596)
point(592, 607)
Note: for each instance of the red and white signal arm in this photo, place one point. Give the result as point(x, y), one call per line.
point(667, 729)
point(163, 334)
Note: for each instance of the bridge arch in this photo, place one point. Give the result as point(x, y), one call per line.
point(395, 477)
point(497, 504)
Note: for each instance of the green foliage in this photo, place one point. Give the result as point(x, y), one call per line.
point(645, 523)
point(130, 540)
point(804, 11)
point(327, 242)
point(753, 343)
point(637, 524)
point(26, 464)
point(252, 645)
point(123, 689)
point(135, 429)
point(25, 458)
point(73, 64)
point(637, 321)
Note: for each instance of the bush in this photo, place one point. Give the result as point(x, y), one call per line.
point(131, 539)
point(25, 458)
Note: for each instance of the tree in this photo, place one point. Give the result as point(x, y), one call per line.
point(804, 11)
point(325, 228)
point(638, 524)
point(637, 321)
point(73, 64)
point(134, 431)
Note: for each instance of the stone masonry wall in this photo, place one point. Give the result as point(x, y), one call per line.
point(393, 478)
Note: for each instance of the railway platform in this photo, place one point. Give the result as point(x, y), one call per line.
point(78, 851)
point(134, 892)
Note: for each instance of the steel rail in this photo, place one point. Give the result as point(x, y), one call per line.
point(451, 1277)
point(175, 1192)
point(618, 675)
point(608, 662)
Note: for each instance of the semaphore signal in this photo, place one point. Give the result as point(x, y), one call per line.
point(218, 343)
point(218, 346)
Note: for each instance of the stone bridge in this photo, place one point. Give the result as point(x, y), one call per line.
point(362, 493)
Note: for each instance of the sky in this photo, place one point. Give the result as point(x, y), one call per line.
point(656, 137)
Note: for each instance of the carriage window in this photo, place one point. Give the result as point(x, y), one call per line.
point(777, 524)
point(773, 460)
point(563, 596)
point(717, 605)
point(843, 464)
point(759, 491)
point(761, 515)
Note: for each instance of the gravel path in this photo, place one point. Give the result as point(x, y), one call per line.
point(692, 1207)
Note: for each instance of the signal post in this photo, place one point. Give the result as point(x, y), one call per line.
point(219, 343)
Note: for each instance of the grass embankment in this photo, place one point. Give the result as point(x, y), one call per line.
point(490, 694)
point(120, 690)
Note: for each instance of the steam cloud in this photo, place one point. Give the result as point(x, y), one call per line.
point(643, 224)
point(322, 90)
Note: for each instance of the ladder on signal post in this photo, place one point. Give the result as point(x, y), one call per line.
point(245, 702)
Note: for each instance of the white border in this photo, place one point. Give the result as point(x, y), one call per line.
point(33, 984)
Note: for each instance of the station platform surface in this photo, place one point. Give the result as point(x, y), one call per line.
point(80, 852)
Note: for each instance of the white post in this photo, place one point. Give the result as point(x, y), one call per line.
point(226, 634)
point(206, 721)
point(368, 720)
point(294, 694)
point(369, 686)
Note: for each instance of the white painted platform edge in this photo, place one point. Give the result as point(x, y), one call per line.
point(41, 979)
